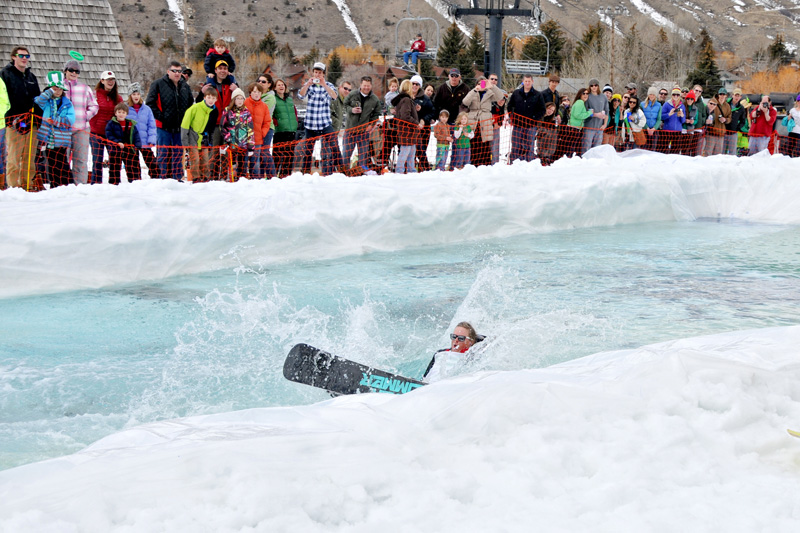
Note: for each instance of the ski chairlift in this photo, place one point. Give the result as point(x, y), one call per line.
point(526, 66)
point(431, 45)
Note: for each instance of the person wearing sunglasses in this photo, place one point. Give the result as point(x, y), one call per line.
point(169, 98)
point(446, 361)
point(451, 94)
point(594, 125)
point(363, 109)
point(634, 122)
point(22, 87)
point(715, 127)
point(85, 106)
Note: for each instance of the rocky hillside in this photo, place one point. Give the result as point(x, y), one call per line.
point(741, 26)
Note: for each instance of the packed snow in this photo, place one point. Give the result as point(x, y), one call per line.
point(685, 435)
point(94, 236)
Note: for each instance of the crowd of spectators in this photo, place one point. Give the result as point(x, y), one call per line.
point(227, 131)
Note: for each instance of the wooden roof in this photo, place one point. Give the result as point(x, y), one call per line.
point(51, 28)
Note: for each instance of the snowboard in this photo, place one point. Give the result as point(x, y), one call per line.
point(794, 433)
point(337, 375)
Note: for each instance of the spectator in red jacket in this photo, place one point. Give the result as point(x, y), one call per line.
point(763, 119)
point(108, 97)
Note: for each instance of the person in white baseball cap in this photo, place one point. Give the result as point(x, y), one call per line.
point(107, 96)
point(426, 113)
point(319, 94)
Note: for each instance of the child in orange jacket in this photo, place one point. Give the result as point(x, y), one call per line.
point(261, 163)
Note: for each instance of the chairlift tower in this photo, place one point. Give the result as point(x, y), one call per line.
point(495, 12)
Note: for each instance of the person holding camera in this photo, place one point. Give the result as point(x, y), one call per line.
point(319, 95)
point(762, 121)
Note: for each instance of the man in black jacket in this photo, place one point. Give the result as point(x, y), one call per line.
point(22, 88)
point(450, 95)
point(169, 98)
point(527, 107)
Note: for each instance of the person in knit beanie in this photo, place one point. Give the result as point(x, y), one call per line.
point(85, 106)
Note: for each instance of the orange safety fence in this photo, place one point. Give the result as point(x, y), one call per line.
point(389, 144)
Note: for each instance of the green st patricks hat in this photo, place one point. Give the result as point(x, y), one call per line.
point(55, 79)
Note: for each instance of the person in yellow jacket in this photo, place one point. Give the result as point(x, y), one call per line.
point(196, 128)
point(5, 105)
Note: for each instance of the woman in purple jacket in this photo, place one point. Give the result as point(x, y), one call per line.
point(673, 115)
point(145, 124)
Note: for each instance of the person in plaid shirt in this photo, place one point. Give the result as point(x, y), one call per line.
point(319, 94)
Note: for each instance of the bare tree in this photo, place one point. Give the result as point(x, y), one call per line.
point(141, 63)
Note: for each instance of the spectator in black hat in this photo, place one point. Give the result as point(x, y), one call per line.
point(608, 92)
point(451, 95)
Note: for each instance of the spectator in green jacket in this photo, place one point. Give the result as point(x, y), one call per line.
point(285, 118)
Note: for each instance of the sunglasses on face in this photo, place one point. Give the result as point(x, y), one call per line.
point(492, 79)
point(454, 76)
point(460, 338)
point(74, 71)
point(24, 56)
point(712, 104)
point(174, 71)
point(262, 81)
point(662, 94)
point(415, 83)
point(594, 85)
point(346, 89)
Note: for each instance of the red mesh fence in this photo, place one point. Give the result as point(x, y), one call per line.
point(39, 154)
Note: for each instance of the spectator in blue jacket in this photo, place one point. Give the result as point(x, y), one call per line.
point(673, 115)
point(651, 108)
point(141, 113)
point(58, 116)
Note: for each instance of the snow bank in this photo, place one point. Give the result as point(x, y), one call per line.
point(690, 432)
point(98, 235)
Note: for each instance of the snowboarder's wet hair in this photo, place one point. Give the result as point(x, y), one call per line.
point(472, 334)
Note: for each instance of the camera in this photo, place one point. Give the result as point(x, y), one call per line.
point(315, 81)
point(765, 105)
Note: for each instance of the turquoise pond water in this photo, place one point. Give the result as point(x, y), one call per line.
point(77, 366)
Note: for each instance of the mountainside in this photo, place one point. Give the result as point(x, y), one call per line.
point(740, 26)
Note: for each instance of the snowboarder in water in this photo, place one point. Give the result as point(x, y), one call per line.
point(444, 361)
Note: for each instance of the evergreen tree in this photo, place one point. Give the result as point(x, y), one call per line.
point(200, 49)
point(592, 42)
point(335, 68)
point(535, 48)
point(311, 57)
point(426, 71)
point(168, 46)
point(706, 71)
point(664, 55)
point(466, 65)
point(286, 53)
point(476, 49)
point(452, 46)
point(147, 41)
point(269, 44)
point(779, 53)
